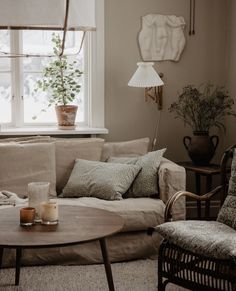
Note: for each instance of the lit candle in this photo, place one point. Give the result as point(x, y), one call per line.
point(38, 192)
point(49, 212)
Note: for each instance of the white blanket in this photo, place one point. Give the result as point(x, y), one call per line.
point(10, 198)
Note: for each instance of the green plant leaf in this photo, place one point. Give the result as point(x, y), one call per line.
point(204, 107)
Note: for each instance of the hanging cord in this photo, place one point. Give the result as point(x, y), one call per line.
point(157, 126)
point(193, 31)
point(190, 19)
point(65, 27)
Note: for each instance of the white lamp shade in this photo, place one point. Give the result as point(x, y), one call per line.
point(145, 76)
point(49, 14)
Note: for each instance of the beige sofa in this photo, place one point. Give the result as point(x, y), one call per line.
point(24, 160)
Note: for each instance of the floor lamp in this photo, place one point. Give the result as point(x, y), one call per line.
point(146, 77)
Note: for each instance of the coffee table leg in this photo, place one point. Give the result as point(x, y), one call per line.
point(18, 264)
point(107, 263)
point(1, 256)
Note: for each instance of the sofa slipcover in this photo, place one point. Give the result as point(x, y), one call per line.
point(139, 213)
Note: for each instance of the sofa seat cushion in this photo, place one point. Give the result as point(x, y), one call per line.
point(208, 238)
point(138, 213)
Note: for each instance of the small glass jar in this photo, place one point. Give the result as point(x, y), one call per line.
point(49, 212)
point(27, 216)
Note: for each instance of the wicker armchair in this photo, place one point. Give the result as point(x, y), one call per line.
point(201, 255)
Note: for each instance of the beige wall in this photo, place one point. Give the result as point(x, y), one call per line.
point(231, 68)
point(127, 115)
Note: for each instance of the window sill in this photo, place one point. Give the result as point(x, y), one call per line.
point(51, 131)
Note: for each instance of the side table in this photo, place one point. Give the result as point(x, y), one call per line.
point(205, 171)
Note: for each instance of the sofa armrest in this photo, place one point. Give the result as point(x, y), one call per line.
point(172, 178)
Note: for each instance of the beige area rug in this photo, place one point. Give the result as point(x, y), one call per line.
point(138, 275)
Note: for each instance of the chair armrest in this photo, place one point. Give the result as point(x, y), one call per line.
point(171, 202)
point(172, 178)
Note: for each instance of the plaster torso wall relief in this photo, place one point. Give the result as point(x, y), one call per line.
point(162, 37)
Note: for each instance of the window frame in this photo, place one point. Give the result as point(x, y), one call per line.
point(94, 71)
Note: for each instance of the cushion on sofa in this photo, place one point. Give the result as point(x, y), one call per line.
point(27, 139)
point(227, 212)
point(67, 150)
point(132, 148)
point(208, 238)
point(138, 213)
point(146, 184)
point(42, 139)
point(99, 179)
point(21, 164)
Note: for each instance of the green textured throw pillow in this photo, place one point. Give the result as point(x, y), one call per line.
point(227, 214)
point(99, 179)
point(145, 184)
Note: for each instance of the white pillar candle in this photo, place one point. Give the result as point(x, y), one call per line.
point(49, 212)
point(38, 192)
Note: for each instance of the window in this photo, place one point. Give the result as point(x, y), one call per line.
point(5, 81)
point(20, 104)
point(31, 71)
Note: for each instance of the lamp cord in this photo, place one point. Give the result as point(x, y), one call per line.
point(193, 30)
point(67, 2)
point(157, 126)
point(192, 17)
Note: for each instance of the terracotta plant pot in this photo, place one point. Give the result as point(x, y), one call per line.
point(201, 147)
point(66, 115)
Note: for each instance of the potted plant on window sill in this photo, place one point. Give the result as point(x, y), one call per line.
point(61, 80)
point(202, 108)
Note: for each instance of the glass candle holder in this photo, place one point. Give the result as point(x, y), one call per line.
point(49, 212)
point(38, 192)
point(27, 216)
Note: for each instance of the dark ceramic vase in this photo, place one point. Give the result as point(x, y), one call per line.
point(201, 147)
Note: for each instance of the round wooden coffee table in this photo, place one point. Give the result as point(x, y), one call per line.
point(77, 225)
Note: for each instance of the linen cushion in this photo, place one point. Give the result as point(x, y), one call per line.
point(227, 213)
point(21, 164)
point(67, 150)
point(99, 179)
point(27, 139)
point(138, 213)
point(146, 183)
point(132, 148)
point(208, 238)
